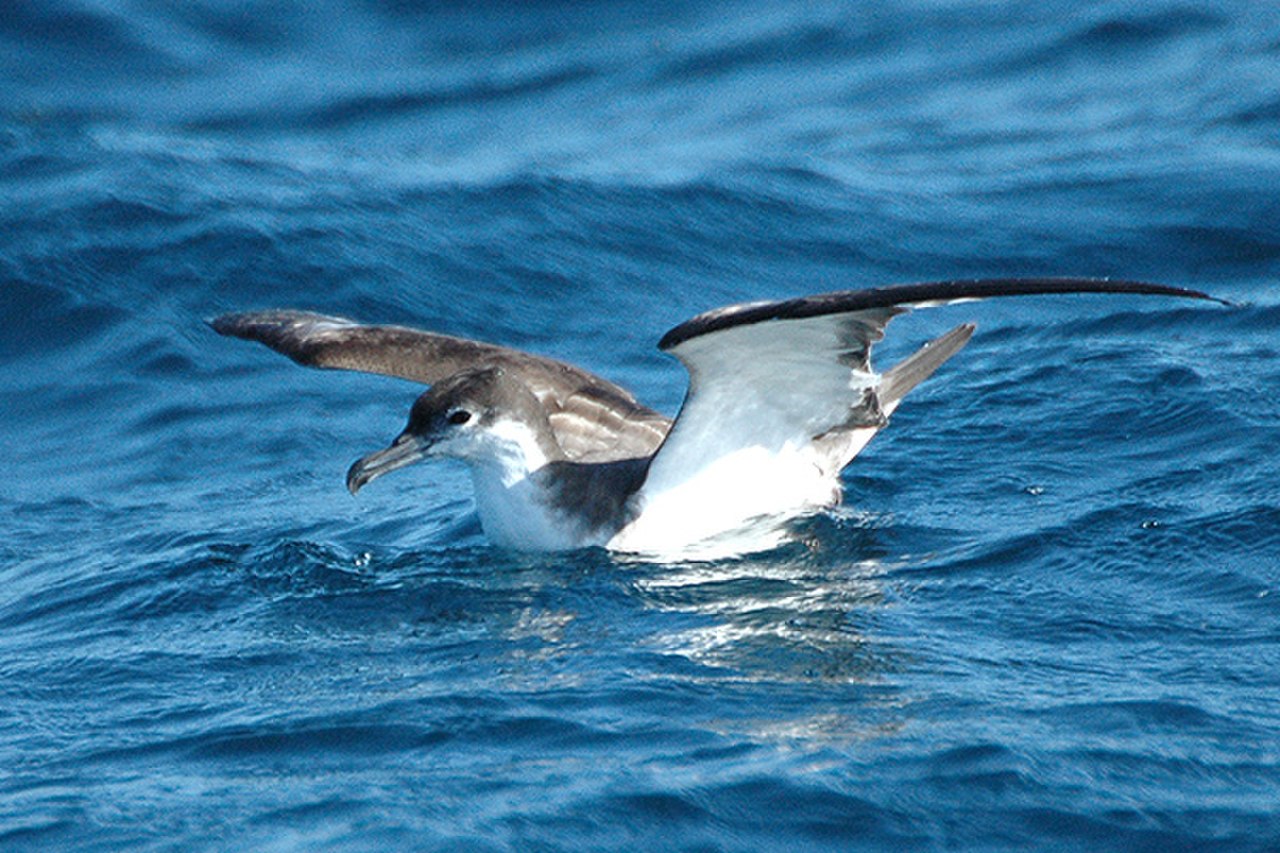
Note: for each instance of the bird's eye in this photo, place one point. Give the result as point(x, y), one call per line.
point(460, 417)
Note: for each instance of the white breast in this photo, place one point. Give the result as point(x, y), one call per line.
point(515, 509)
point(518, 515)
point(740, 502)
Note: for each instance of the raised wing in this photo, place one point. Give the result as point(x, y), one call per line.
point(593, 419)
point(917, 295)
point(782, 395)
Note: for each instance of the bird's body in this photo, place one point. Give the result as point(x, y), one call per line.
point(782, 396)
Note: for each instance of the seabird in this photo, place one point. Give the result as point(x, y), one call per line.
point(781, 398)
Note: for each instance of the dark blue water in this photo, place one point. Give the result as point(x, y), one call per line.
point(1049, 616)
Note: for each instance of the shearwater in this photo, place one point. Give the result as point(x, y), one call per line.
point(781, 397)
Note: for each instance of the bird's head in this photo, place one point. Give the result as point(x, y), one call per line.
point(481, 416)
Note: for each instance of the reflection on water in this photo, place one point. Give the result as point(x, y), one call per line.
point(593, 630)
point(798, 622)
point(795, 614)
point(770, 620)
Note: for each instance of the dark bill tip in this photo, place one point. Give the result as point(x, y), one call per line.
point(405, 450)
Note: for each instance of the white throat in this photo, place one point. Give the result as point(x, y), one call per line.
point(508, 451)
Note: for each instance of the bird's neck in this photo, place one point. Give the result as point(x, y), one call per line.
point(513, 452)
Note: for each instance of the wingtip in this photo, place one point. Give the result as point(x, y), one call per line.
point(237, 324)
point(222, 324)
point(260, 325)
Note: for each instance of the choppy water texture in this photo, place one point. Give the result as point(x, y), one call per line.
point(1048, 616)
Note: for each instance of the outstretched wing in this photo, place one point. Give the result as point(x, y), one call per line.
point(593, 419)
point(782, 394)
point(316, 340)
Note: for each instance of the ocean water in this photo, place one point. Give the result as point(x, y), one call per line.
point(1047, 617)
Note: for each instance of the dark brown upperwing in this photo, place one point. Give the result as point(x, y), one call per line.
point(905, 295)
point(591, 416)
point(315, 340)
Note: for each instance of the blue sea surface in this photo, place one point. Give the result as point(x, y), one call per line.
point(1047, 616)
